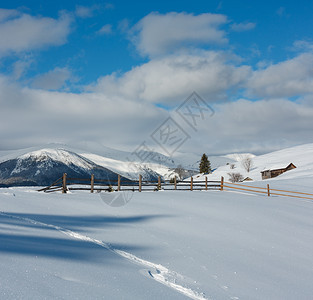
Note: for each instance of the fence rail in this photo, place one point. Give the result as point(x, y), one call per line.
point(267, 190)
point(93, 184)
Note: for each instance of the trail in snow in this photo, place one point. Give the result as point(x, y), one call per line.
point(159, 273)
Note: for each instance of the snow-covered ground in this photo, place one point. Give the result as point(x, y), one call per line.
point(301, 156)
point(161, 245)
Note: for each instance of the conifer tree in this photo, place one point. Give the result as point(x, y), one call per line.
point(205, 166)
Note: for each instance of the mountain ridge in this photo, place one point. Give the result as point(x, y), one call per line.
point(42, 166)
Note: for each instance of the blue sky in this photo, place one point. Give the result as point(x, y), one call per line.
point(133, 63)
point(278, 24)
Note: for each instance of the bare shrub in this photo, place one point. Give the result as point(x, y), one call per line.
point(247, 163)
point(235, 177)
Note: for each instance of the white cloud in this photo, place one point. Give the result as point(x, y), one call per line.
point(26, 32)
point(89, 11)
point(302, 45)
point(158, 34)
point(289, 78)
point(106, 29)
point(121, 109)
point(8, 13)
point(243, 26)
point(254, 126)
point(29, 117)
point(20, 67)
point(171, 79)
point(84, 11)
point(52, 80)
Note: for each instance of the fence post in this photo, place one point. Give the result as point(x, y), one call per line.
point(140, 182)
point(175, 183)
point(118, 182)
point(268, 190)
point(206, 183)
point(159, 182)
point(222, 183)
point(92, 182)
point(64, 188)
point(191, 183)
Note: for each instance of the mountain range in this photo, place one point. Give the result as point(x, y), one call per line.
point(42, 166)
point(45, 166)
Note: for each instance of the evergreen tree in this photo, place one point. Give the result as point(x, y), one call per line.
point(205, 166)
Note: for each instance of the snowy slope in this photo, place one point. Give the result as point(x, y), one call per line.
point(125, 163)
point(239, 156)
point(42, 167)
point(129, 164)
point(61, 155)
point(161, 245)
point(301, 156)
point(132, 169)
point(215, 161)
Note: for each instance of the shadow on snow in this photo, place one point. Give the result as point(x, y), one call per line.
point(17, 238)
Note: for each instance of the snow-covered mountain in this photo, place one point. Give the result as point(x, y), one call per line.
point(29, 166)
point(301, 156)
point(44, 166)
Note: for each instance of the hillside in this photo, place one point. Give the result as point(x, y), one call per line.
point(44, 166)
point(301, 156)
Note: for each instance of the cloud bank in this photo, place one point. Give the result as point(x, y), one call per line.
point(158, 34)
point(170, 79)
point(255, 108)
point(22, 32)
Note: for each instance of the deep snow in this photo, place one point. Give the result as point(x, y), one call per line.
point(214, 245)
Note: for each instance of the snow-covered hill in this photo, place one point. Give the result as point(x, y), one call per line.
point(132, 168)
point(131, 164)
point(239, 156)
point(128, 164)
point(301, 156)
point(49, 163)
point(44, 166)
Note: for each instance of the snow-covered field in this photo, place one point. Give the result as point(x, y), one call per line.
point(161, 245)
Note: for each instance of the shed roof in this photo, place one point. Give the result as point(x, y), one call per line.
point(277, 167)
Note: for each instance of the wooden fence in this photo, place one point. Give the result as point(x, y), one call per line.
point(265, 190)
point(93, 184)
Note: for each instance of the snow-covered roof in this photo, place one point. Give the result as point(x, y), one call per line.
point(277, 167)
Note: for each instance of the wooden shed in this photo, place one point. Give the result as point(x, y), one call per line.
point(275, 171)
